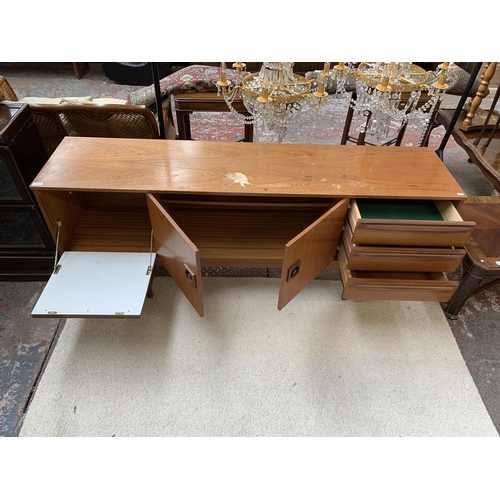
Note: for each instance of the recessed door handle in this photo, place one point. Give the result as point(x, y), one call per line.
point(190, 275)
point(293, 270)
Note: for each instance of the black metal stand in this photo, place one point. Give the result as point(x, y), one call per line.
point(460, 106)
point(159, 108)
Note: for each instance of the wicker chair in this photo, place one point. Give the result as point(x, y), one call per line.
point(6, 90)
point(56, 121)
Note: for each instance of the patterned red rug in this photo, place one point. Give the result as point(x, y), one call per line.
point(325, 128)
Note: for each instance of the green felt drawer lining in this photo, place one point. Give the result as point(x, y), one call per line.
point(398, 209)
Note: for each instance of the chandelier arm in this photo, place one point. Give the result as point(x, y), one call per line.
point(236, 114)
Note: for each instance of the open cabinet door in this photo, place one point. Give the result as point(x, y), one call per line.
point(177, 253)
point(310, 252)
point(96, 285)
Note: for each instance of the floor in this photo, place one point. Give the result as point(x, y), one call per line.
point(26, 343)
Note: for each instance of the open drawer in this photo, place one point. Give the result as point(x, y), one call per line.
point(407, 223)
point(387, 285)
point(399, 258)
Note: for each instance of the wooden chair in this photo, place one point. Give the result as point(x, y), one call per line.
point(477, 128)
point(56, 121)
point(395, 140)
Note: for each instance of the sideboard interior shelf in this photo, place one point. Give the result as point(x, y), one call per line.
point(289, 206)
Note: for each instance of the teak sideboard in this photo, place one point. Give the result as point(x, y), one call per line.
point(387, 216)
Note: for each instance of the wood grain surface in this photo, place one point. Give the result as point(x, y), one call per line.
point(485, 211)
point(142, 165)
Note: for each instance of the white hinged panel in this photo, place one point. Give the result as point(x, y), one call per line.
point(97, 284)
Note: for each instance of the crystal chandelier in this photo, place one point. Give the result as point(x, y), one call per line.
point(391, 92)
point(275, 95)
point(385, 93)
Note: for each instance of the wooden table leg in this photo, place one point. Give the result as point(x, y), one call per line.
point(464, 291)
point(475, 280)
point(183, 124)
point(77, 71)
point(347, 126)
point(248, 132)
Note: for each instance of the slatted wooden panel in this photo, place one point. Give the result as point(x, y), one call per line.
point(113, 230)
point(61, 206)
point(236, 232)
point(99, 199)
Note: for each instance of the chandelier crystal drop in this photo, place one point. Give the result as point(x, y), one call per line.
point(385, 93)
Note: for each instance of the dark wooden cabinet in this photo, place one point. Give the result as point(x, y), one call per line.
point(26, 247)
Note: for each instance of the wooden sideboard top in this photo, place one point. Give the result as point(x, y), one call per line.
point(196, 167)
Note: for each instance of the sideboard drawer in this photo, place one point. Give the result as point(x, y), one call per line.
point(387, 285)
point(407, 223)
point(399, 258)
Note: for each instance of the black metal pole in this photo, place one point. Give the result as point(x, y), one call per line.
point(456, 115)
point(159, 108)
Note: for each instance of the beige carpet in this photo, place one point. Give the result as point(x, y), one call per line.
point(320, 367)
